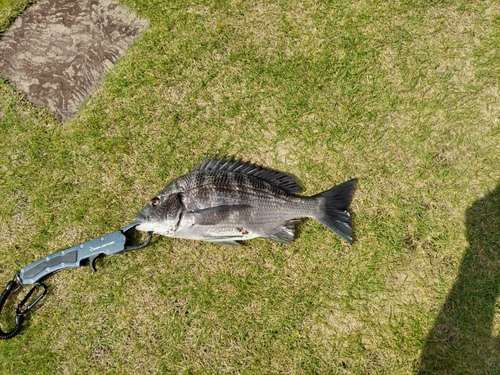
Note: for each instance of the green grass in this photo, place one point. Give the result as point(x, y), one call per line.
point(403, 95)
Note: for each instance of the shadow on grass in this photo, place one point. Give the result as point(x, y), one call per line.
point(462, 339)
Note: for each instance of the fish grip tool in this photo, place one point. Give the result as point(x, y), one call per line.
point(77, 256)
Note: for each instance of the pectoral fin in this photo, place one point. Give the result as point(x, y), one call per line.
point(219, 214)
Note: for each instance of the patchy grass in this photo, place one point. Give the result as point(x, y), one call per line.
point(9, 9)
point(403, 95)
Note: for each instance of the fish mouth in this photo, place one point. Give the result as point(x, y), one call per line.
point(142, 218)
point(141, 227)
point(143, 222)
point(139, 219)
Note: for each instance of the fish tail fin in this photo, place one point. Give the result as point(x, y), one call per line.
point(333, 209)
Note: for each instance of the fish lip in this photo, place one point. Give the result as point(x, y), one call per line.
point(141, 219)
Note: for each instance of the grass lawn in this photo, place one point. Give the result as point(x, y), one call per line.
point(403, 95)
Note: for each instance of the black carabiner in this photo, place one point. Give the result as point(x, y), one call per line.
point(11, 285)
point(19, 318)
point(19, 310)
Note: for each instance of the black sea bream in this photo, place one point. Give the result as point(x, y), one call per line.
point(225, 201)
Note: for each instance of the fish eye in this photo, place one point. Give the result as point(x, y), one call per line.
point(154, 202)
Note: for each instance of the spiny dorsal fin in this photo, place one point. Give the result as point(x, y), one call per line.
point(276, 178)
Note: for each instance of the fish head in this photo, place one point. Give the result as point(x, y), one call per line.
point(162, 214)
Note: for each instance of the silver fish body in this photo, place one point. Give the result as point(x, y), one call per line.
point(226, 201)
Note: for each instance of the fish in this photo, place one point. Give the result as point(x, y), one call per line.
point(227, 201)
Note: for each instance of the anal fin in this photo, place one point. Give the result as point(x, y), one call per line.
point(286, 232)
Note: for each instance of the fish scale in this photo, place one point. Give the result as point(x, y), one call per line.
point(226, 201)
point(216, 188)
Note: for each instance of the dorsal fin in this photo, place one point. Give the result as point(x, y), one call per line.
point(276, 178)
